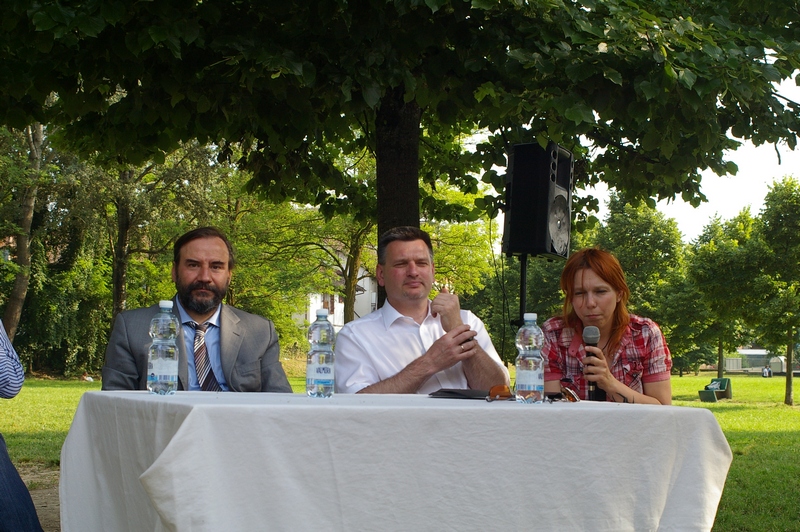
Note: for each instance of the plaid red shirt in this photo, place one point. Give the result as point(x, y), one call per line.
point(642, 355)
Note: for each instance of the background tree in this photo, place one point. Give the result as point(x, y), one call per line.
point(135, 196)
point(24, 189)
point(779, 284)
point(648, 246)
point(655, 86)
point(722, 272)
point(64, 321)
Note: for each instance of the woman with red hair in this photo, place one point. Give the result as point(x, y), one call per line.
point(631, 363)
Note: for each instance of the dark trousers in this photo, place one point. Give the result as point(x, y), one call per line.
point(17, 513)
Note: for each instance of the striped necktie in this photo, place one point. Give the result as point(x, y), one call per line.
point(202, 365)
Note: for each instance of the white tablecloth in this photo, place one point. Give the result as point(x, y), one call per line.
point(227, 461)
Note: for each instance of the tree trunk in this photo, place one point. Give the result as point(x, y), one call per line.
point(350, 283)
point(34, 135)
point(119, 270)
point(720, 359)
point(788, 399)
point(352, 267)
point(397, 163)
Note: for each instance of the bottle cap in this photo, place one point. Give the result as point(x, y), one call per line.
point(529, 316)
point(322, 312)
point(165, 303)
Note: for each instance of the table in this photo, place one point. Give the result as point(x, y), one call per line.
point(252, 461)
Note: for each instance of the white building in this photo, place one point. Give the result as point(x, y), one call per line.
point(366, 302)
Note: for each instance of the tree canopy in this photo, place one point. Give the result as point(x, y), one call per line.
point(654, 88)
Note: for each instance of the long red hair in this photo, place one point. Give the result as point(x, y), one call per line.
point(608, 268)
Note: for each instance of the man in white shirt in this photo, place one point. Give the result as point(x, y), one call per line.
point(413, 344)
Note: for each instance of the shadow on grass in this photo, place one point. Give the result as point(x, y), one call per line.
point(725, 405)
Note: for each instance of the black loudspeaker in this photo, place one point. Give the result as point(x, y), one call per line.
point(538, 201)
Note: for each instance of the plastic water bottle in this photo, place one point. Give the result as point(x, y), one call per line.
point(162, 362)
point(529, 386)
point(319, 364)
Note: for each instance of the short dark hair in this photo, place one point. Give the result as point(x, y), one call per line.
point(201, 232)
point(405, 233)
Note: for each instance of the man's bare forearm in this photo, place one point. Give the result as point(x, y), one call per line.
point(409, 380)
point(483, 372)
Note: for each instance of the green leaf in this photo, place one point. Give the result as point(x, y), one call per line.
point(309, 73)
point(487, 89)
point(90, 26)
point(587, 26)
point(580, 113)
point(638, 110)
point(771, 73)
point(203, 104)
point(523, 56)
point(484, 4)
point(613, 76)
point(713, 51)
point(42, 21)
point(667, 146)
point(347, 89)
point(434, 5)
point(651, 139)
point(112, 12)
point(687, 78)
point(158, 34)
point(649, 89)
point(371, 92)
point(187, 30)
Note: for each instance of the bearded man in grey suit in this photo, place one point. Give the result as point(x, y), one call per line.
point(242, 348)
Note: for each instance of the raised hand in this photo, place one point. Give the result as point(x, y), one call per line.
point(447, 306)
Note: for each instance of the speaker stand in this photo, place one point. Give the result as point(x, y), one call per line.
point(523, 289)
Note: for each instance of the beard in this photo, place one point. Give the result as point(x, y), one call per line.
point(196, 304)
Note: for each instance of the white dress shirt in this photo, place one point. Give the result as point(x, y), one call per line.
point(382, 343)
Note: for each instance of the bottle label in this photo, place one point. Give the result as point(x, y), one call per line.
point(163, 368)
point(320, 374)
point(530, 379)
point(530, 375)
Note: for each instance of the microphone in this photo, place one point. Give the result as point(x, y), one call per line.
point(591, 336)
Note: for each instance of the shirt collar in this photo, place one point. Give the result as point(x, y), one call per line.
point(187, 320)
point(391, 315)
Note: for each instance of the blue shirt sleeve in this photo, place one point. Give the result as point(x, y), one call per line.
point(11, 372)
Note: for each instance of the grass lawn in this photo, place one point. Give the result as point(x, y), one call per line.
point(761, 493)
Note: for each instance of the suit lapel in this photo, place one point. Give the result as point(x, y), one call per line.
point(230, 341)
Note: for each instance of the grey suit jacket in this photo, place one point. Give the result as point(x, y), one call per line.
point(248, 349)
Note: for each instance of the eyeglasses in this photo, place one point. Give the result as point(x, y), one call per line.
point(501, 392)
point(566, 394)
